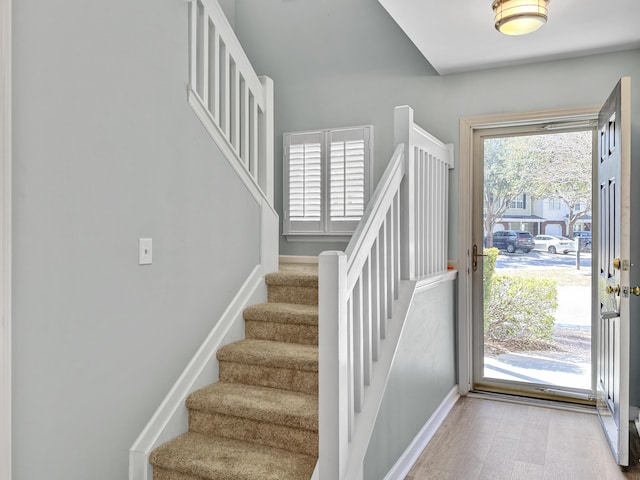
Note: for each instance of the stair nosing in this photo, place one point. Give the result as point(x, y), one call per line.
point(292, 279)
point(284, 313)
point(179, 455)
point(246, 352)
point(216, 398)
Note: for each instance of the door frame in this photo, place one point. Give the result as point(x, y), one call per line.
point(468, 126)
point(5, 240)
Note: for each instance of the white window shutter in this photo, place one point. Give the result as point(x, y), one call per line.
point(303, 182)
point(326, 181)
point(349, 154)
point(305, 167)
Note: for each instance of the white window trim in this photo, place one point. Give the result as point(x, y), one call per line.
point(325, 230)
point(555, 203)
point(518, 202)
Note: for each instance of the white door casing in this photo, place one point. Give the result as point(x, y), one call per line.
point(614, 253)
point(5, 240)
point(469, 125)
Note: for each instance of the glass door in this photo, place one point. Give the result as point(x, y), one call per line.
point(533, 242)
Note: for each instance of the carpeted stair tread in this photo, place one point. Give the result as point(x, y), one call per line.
point(218, 458)
point(269, 405)
point(271, 354)
point(292, 313)
point(306, 276)
point(294, 278)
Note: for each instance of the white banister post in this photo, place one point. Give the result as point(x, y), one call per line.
point(332, 358)
point(265, 151)
point(403, 125)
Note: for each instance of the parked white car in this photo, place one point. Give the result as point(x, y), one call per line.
point(553, 244)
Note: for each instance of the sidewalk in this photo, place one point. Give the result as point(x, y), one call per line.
point(570, 368)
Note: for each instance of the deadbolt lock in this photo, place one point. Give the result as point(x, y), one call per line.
point(616, 263)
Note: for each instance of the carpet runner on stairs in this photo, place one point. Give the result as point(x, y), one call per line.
point(260, 421)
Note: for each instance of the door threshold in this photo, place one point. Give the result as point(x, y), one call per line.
point(564, 403)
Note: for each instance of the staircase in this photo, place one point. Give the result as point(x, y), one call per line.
point(260, 421)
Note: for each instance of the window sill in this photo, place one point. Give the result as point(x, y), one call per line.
point(318, 237)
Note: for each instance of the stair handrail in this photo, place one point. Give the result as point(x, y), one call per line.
point(234, 104)
point(365, 292)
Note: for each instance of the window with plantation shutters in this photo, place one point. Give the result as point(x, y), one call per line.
point(326, 182)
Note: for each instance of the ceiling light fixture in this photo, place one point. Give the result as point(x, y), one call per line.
point(518, 17)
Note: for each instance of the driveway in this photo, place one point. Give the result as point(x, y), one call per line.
point(542, 259)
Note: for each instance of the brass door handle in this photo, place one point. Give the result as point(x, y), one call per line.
point(474, 261)
point(616, 289)
point(635, 291)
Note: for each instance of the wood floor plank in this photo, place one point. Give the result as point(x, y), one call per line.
point(485, 439)
point(527, 471)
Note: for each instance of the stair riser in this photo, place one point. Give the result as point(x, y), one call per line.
point(292, 294)
point(284, 378)
point(282, 332)
point(279, 436)
point(163, 474)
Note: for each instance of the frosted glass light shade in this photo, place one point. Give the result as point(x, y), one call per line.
point(519, 17)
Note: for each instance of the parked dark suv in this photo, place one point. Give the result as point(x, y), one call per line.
point(512, 240)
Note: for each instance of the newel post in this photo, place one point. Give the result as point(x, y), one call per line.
point(403, 127)
point(333, 364)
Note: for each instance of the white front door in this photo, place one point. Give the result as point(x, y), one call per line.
point(614, 207)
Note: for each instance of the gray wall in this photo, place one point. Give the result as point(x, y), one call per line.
point(106, 150)
point(422, 374)
point(337, 63)
point(334, 64)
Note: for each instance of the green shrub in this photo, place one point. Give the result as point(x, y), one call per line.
point(520, 309)
point(489, 268)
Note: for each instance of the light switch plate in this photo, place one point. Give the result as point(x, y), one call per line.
point(145, 255)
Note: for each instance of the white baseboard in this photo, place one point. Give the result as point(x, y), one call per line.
point(171, 417)
point(426, 433)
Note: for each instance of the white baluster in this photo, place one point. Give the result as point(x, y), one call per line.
point(382, 292)
point(367, 359)
point(203, 25)
point(193, 45)
point(389, 269)
point(375, 303)
point(358, 354)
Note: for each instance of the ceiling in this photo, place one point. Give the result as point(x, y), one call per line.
point(458, 35)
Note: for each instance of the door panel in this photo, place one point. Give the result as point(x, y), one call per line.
point(614, 168)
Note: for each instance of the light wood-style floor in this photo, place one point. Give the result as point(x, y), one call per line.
point(485, 439)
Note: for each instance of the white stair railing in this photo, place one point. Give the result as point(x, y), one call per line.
point(234, 104)
point(362, 299)
point(236, 108)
